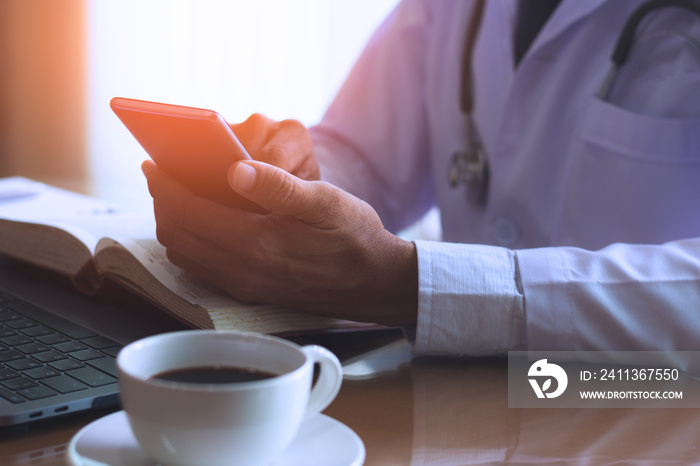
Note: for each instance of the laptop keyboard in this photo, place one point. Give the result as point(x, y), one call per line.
point(43, 355)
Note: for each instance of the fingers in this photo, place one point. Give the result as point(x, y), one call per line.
point(253, 132)
point(203, 237)
point(280, 192)
point(159, 183)
point(286, 144)
point(177, 210)
point(288, 147)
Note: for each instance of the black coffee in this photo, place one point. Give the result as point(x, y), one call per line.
point(214, 375)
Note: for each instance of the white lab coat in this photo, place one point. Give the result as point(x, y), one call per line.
point(593, 207)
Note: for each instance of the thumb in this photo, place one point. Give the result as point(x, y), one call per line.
point(278, 191)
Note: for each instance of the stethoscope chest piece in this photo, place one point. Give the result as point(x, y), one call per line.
point(470, 167)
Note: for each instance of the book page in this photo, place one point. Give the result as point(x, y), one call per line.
point(222, 310)
point(86, 218)
point(186, 285)
point(91, 220)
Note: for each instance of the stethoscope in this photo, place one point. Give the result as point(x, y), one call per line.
point(470, 166)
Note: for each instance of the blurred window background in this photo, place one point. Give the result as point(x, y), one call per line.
point(62, 61)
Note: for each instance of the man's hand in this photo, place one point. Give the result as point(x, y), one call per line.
point(319, 249)
point(285, 144)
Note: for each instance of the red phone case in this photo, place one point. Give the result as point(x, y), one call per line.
point(195, 146)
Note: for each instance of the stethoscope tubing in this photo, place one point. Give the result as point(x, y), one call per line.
point(626, 39)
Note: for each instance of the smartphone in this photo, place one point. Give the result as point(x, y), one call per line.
point(193, 145)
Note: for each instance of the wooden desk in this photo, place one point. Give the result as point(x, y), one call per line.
point(455, 412)
point(450, 412)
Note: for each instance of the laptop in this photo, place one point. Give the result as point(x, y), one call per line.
point(58, 347)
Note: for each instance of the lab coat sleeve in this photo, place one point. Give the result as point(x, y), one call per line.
point(372, 141)
point(469, 300)
point(484, 300)
point(622, 297)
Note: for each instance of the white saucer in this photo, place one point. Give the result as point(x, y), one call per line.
point(321, 440)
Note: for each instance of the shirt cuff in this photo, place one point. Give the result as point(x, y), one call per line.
point(469, 300)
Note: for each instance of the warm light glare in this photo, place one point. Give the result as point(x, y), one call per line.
point(42, 85)
point(285, 59)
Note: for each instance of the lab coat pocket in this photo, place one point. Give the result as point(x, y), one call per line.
point(632, 178)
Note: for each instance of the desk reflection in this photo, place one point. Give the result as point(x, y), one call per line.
point(434, 411)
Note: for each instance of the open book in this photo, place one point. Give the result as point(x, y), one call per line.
point(88, 240)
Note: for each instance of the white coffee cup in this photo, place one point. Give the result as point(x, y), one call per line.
point(245, 423)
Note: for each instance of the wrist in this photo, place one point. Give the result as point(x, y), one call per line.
point(401, 285)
